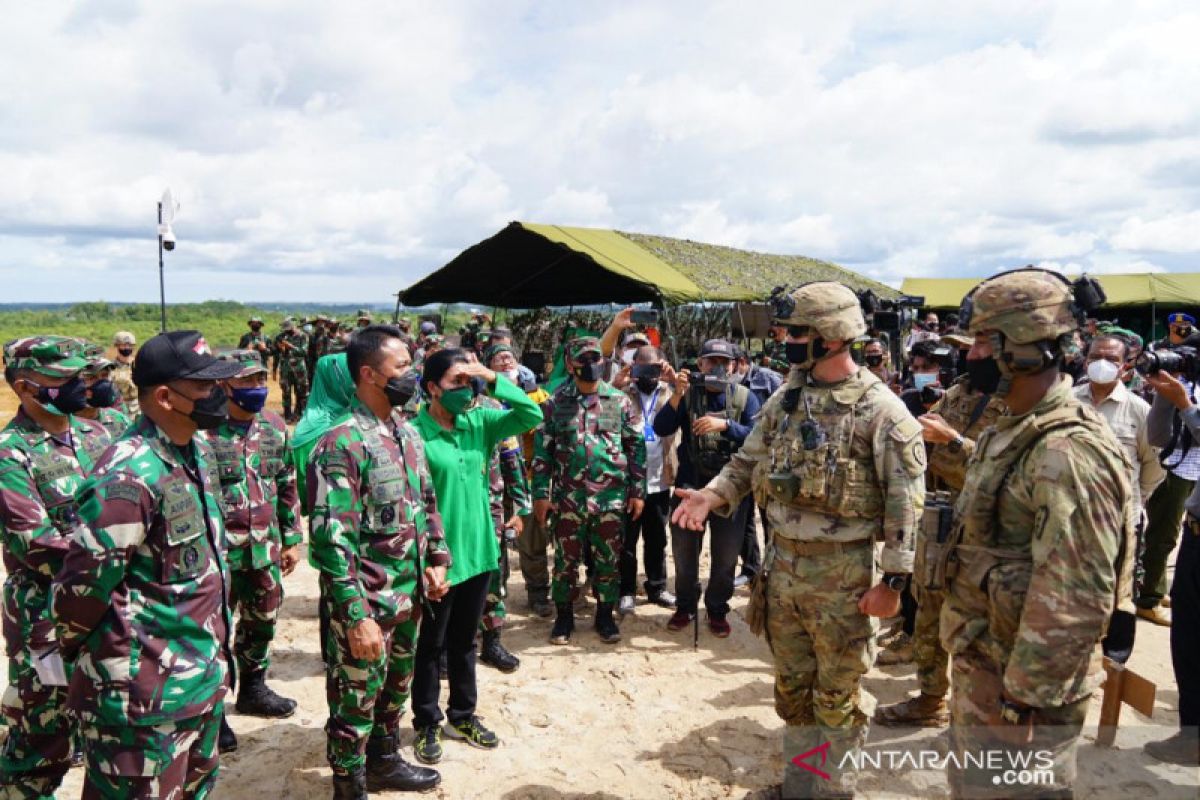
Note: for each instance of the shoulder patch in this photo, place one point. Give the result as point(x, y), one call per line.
point(905, 429)
point(120, 490)
point(335, 461)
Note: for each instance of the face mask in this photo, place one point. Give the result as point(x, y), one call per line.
point(252, 399)
point(456, 400)
point(209, 412)
point(874, 360)
point(590, 372)
point(984, 374)
point(400, 390)
point(1102, 372)
point(256, 328)
point(923, 379)
point(627, 356)
point(805, 356)
point(512, 374)
point(125, 351)
point(104, 394)
point(63, 400)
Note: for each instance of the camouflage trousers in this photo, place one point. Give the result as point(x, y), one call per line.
point(494, 611)
point(932, 660)
point(365, 697)
point(173, 760)
point(822, 646)
point(256, 595)
point(574, 533)
point(37, 748)
point(293, 382)
point(976, 682)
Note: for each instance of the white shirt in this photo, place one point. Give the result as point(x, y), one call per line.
point(651, 403)
point(1126, 414)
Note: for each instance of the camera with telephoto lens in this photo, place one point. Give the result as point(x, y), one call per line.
point(889, 316)
point(1182, 360)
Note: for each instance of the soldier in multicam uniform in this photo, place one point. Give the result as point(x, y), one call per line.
point(102, 396)
point(140, 602)
point(124, 342)
point(950, 429)
point(838, 462)
point(291, 362)
point(376, 537)
point(1042, 547)
point(45, 453)
point(589, 468)
point(262, 523)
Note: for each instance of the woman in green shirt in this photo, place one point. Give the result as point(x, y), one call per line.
point(459, 440)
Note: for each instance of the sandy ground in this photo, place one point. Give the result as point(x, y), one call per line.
point(648, 718)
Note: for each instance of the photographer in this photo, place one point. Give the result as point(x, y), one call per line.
point(715, 414)
point(1174, 402)
point(876, 360)
point(931, 369)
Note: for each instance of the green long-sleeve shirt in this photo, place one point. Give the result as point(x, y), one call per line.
point(458, 463)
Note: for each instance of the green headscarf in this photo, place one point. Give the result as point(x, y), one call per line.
point(328, 405)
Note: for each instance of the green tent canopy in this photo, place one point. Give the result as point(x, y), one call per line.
point(1144, 289)
point(527, 265)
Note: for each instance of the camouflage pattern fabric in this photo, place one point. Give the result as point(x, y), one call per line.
point(1044, 513)
point(258, 342)
point(291, 359)
point(374, 526)
point(115, 421)
point(40, 478)
point(145, 575)
point(172, 759)
point(122, 378)
point(590, 449)
point(875, 491)
point(931, 659)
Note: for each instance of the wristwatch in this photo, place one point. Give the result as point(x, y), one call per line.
point(955, 445)
point(894, 580)
point(1012, 713)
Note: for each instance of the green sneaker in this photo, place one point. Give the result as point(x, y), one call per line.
point(427, 747)
point(473, 733)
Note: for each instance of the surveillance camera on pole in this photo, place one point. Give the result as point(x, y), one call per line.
point(167, 207)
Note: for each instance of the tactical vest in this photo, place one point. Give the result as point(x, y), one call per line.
point(388, 506)
point(958, 408)
point(714, 449)
point(564, 421)
point(835, 477)
point(975, 551)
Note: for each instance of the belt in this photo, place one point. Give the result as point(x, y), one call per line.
point(819, 548)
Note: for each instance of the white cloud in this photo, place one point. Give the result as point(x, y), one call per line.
point(342, 151)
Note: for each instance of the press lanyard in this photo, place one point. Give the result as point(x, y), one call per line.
point(648, 416)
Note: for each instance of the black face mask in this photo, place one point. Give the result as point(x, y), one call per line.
point(874, 359)
point(805, 355)
point(125, 351)
point(104, 394)
point(63, 400)
point(590, 372)
point(210, 412)
point(400, 390)
point(984, 374)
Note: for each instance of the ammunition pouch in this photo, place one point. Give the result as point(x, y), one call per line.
point(932, 559)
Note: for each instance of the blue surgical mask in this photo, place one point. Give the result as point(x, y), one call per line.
point(923, 379)
point(252, 399)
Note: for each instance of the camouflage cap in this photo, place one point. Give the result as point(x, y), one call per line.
point(250, 361)
point(96, 358)
point(830, 308)
point(581, 346)
point(496, 350)
point(124, 337)
point(288, 324)
point(363, 314)
point(1026, 305)
point(53, 356)
point(253, 320)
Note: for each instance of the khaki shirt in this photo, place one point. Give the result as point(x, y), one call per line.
point(1126, 414)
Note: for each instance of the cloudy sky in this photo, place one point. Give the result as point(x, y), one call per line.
point(340, 151)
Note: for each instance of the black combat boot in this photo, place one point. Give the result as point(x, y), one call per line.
point(350, 787)
point(226, 740)
point(387, 770)
point(494, 654)
point(256, 699)
point(564, 623)
point(605, 625)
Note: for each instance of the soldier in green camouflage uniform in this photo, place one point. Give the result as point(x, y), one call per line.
point(140, 602)
point(589, 468)
point(45, 453)
point(376, 537)
point(102, 396)
point(254, 339)
point(291, 362)
point(1042, 546)
point(838, 463)
point(950, 430)
point(262, 512)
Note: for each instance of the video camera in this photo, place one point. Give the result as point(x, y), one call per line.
point(1177, 360)
point(889, 316)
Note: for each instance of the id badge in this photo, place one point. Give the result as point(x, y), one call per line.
point(648, 433)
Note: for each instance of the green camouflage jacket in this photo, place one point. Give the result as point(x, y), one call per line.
point(40, 477)
point(591, 450)
point(291, 351)
point(258, 489)
point(115, 421)
point(374, 525)
point(140, 602)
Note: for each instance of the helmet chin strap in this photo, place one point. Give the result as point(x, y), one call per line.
point(1019, 359)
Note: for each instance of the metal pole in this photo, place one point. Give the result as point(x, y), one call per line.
point(162, 287)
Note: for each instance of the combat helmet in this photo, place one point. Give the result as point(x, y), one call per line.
point(1031, 314)
point(829, 308)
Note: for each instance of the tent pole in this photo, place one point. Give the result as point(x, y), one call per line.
point(667, 331)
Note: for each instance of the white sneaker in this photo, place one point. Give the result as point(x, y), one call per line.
point(625, 606)
point(741, 580)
